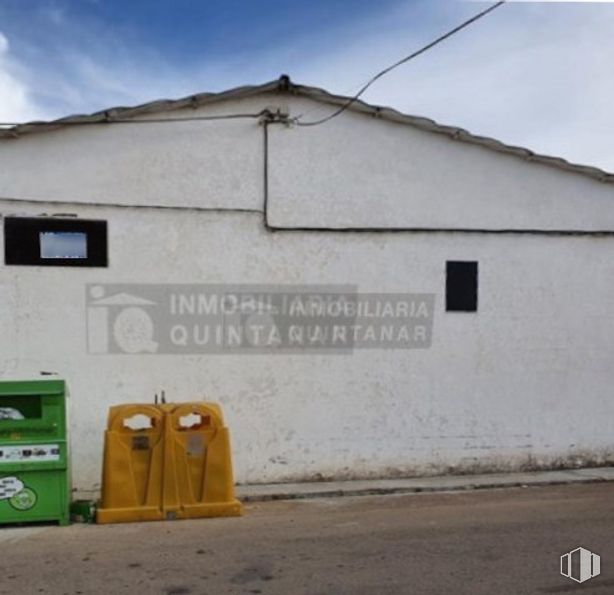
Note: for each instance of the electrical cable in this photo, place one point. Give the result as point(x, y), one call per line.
point(297, 121)
point(404, 60)
point(111, 120)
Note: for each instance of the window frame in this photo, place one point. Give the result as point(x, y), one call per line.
point(22, 241)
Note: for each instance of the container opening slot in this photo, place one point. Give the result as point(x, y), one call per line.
point(20, 407)
point(192, 420)
point(139, 422)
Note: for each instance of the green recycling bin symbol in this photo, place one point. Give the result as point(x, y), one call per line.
point(24, 500)
point(18, 495)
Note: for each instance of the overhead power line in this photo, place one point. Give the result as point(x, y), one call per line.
point(411, 56)
point(111, 119)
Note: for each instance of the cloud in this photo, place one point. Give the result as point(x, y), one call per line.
point(530, 75)
point(16, 105)
point(535, 75)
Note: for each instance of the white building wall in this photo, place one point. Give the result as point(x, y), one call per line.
point(212, 164)
point(359, 171)
point(524, 382)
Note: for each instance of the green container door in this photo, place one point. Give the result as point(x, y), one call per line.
point(34, 476)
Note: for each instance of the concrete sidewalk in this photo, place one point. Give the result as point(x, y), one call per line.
point(446, 483)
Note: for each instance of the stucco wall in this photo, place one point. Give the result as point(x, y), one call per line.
point(213, 164)
point(524, 382)
point(357, 171)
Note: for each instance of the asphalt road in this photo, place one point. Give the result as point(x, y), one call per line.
point(490, 542)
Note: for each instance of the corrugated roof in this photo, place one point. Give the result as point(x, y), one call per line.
point(285, 85)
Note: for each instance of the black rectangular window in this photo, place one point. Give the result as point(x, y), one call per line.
point(461, 286)
point(51, 241)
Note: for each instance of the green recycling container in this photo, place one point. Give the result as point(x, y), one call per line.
point(34, 471)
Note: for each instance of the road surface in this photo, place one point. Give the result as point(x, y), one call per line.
point(490, 542)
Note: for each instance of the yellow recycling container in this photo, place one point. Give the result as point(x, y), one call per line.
point(169, 461)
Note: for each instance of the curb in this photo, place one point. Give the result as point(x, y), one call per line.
point(310, 490)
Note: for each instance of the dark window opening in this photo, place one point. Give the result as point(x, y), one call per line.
point(461, 286)
point(50, 241)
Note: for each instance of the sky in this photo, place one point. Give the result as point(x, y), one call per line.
point(538, 75)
